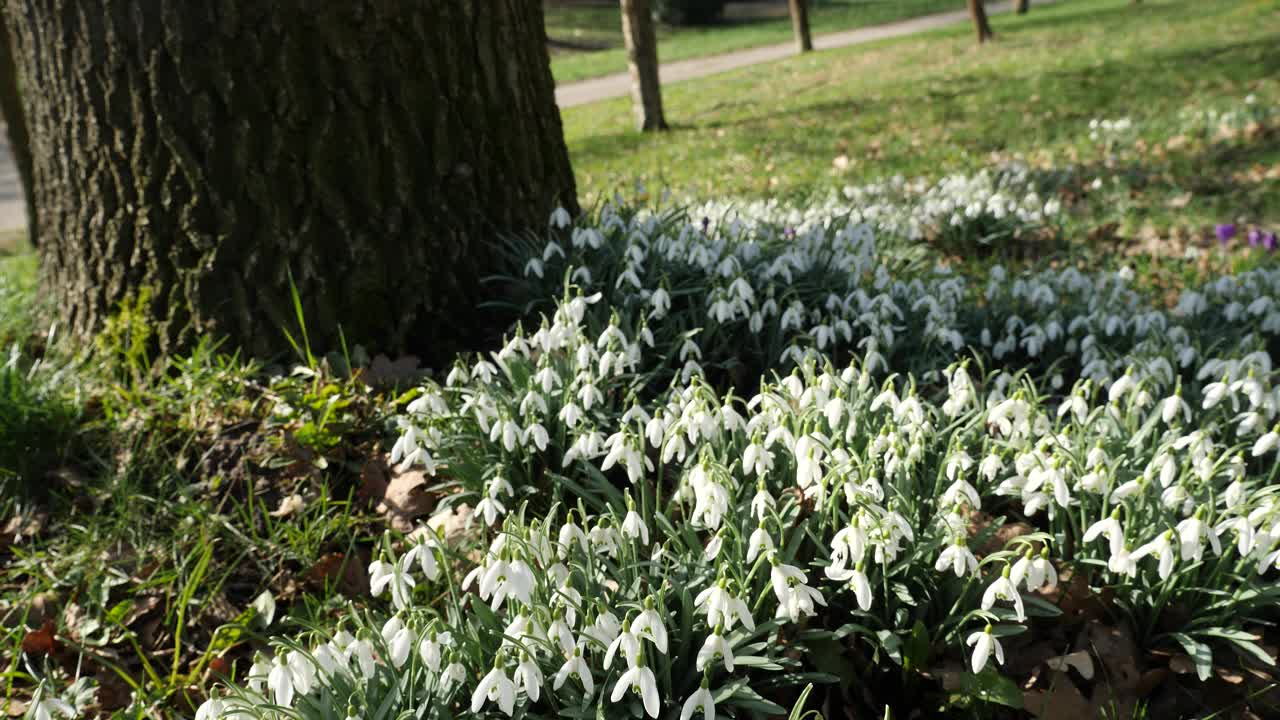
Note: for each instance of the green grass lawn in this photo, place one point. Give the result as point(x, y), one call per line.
point(936, 103)
point(601, 27)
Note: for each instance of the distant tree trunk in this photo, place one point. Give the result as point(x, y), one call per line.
point(16, 123)
point(1022, 6)
point(978, 11)
point(642, 61)
point(215, 156)
point(800, 24)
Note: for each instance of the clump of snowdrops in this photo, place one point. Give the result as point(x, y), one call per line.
point(647, 539)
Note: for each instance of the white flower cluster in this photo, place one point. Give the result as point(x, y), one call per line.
point(1111, 132)
point(829, 494)
point(751, 288)
point(985, 206)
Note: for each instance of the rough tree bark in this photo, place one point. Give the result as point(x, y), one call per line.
point(800, 25)
point(16, 124)
point(978, 11)
point(642, 62)
point(1021, 6)
point(216, 155)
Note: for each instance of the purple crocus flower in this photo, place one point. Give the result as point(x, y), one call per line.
point(1255, 237)
point(706, 223)
point(1269, 241)
point(1225, 232)
point(789, 232)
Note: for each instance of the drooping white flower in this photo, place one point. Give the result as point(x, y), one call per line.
point(1108, 527)
point(648, 624)
point(529, 678)
point(1036, 571)
point(1162, 549)
point(1191, 534)
point(958, 558)
point(640, 679)
point(722, 607)
point(453, 675)
point(431, 647)
point(984, 645)
point(384, 575)
point(701, 699)
point(795, 598)
point(714, 647)
point(280, 683)
point(760, 543)
point(626, 641)
point(575, 667)
point(1002, 588)
point(633, 526)
point(495, 687)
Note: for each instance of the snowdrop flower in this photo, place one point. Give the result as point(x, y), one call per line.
point(984, 644)
point(453, 675)
point(795, 598)
point(384, 575)
point(713, 648)
point(430, 648)
point(50, 706)
point(1122, 562)
point(529, 678)
point(660, 301)
point(633, 525)
point(758, 460)
point(1036, 571)
point(1003, 589)
point(961, 490)
point(560, 220)
point(280, 682)
point(712, 551)
point(211, 709)
point(495, 687)
point(575, 667)
point(957, 557)
point(762, 502)
point(640, 679)
point(722, 608)
point(1191, 532)
point(1109, 528)
point(1162, 549)
point(1267, 443)
point(627, 642)
point(759, 543)
point(648, 624)
point(423, 552)
point(399, 646)
point(701, 699)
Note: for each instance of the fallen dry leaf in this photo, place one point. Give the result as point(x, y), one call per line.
point(452, 523)
point(1062, 701)
point(1080, 660)
point(405, 499)
point(40, 642)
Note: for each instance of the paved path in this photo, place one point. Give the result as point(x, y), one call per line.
point(13, 208)
point(611, 86)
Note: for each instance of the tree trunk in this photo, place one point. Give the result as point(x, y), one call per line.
point(800, 25)
point(215, 156)
point(16, 124)
point(1021, 6)
point(642, 61)
point(978, 11)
